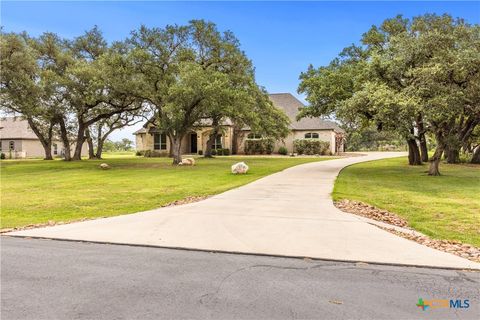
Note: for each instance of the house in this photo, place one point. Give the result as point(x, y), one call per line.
point(152, 138)
point(17, 140)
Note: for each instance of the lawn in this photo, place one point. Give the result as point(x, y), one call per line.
point(445, 207)
point(37, 191)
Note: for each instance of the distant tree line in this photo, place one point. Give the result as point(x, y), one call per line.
point(122, 145)
point(82, 89)
point(418, 79)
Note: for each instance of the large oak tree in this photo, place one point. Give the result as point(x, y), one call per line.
point(414, 77)
point(189, 73)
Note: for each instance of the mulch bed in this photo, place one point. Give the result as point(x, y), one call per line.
point(463, 250)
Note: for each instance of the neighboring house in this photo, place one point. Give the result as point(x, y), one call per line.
point(17, 140)
point(151, 138)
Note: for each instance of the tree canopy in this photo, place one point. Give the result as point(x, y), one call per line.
point(193, 72)
point(413, 77)
point(82, 89)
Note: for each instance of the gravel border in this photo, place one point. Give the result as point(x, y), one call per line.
point(463, 250)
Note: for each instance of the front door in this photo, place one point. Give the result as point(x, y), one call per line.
point(193, 143)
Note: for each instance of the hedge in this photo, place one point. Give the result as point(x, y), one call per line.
point(259, 146)
point(311, 147)
point(155, 154)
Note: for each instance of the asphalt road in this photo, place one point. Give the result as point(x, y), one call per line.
point(47, 279)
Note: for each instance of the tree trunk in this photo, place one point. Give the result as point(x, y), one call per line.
point(235, 142)
point(45, 141)
point(423, 148)
point(66, 143)
point(210, 142)
point(176, 150)
point(91, 148)
point(100, 142)
point(476, 156)
point(422, 139)
point(77, 155)
point(453, 155)
point(212, 137)
point(48, 151)
point(433, 170)
point(414, 158)
point(170, 151)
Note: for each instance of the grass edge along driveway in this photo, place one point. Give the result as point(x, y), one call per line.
point(445, 207)
point(36, 191)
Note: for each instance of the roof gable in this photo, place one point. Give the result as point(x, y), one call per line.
point(16, 128)
point(291, 106)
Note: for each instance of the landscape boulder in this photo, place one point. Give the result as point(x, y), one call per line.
point(188, 162)
point(239, 168)
point(104, 166)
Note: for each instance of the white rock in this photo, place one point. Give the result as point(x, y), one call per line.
point(239, 168)
point(104, 166)
point(188, 162)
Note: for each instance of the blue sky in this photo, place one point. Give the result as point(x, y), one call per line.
point(281, 38)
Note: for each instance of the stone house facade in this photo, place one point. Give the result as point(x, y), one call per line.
point(151, 138)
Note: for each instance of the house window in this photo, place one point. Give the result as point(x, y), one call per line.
point(11, 145)
point(218, 142)
point(55, 149)
point(311, 135)
point(159, 141)
point(254, 136)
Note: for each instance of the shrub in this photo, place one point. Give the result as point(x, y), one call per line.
point(226, 152)
point(259, 146)
point(200, 152)
point(269, 145)
point(2, 155)
point(325, 148)
point(283, 150)
point(214, 152)
point(155, 154)
point(311, 147)
point(140, 153)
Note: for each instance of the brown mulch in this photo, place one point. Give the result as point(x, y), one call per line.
point(463, 250)
point(56, 223)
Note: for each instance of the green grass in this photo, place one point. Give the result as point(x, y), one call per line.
point(37, 191)
point(445, 207)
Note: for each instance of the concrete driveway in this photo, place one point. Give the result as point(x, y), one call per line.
point(289, 213)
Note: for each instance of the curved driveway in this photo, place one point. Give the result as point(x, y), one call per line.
point(289, 213)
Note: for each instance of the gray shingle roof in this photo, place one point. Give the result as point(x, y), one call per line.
point(15, 128)
point(291, 106)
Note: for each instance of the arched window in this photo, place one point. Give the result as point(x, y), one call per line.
point(254, 136)
point(311, 135)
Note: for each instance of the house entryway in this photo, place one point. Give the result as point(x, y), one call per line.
point(193, 143)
